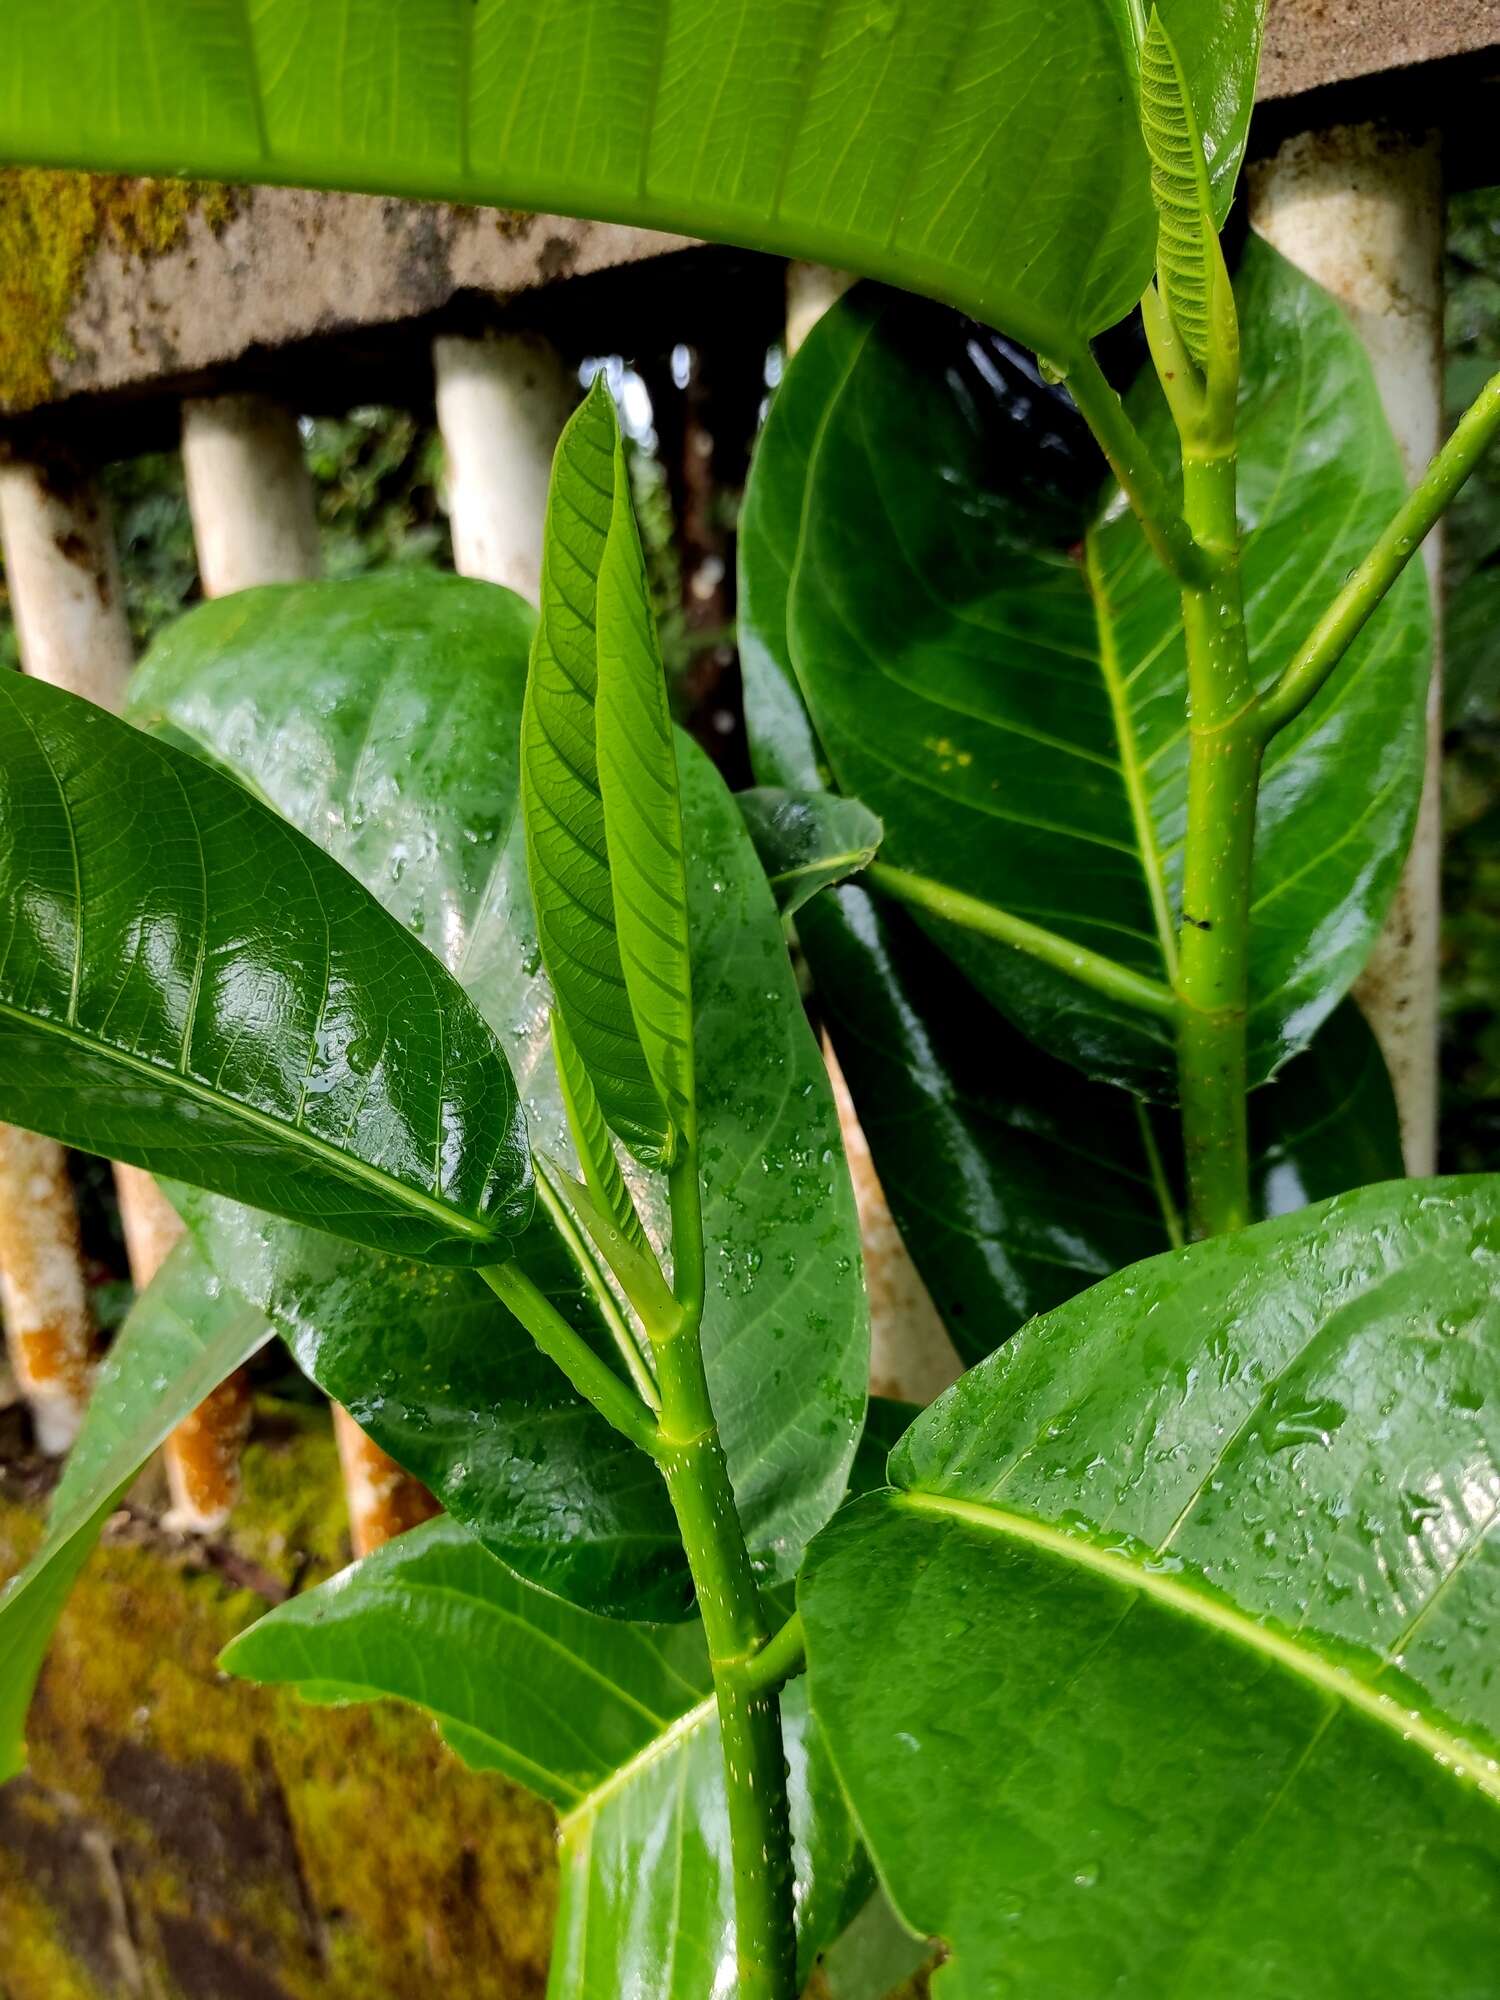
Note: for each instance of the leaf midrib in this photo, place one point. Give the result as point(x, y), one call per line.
point(1302, 1661)
point(347, 1166)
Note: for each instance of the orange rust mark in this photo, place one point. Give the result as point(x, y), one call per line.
point(383, 1500)
point(203, 1454)
point(49, 1326)
point(203, 1457)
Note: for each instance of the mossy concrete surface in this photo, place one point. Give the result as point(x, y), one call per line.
point(51, 223)
point(184, 1836)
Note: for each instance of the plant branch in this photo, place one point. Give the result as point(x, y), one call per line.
point(609, 1306)
point(590, 1375)
point(1345, 618)
point(778, 1660)
point(1140, 479)
point(692, 1460)
point(1091, 968)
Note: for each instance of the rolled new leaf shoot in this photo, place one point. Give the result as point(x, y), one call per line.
point(566, 848)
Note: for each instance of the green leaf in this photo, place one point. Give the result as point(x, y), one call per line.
point(1017, 718)
point(383, 717)
point(988, 154)
point(638, 790)
point(807, 841)
point(1168, 1666)
point(188, 984)
point(612, 1724)
point(592, 1143)
point(430, 1364)
point(1015, 1181)
point(182, 1337)
point(567, 846)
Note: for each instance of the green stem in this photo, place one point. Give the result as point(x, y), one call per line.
point(1223, 779)
point(1091, 968)
point(1342, 622)
point(590, 1375)
point(1133, 466)
point(692, 1460)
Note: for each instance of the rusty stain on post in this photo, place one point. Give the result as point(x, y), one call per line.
point(49, 1327)
point(383, 1500)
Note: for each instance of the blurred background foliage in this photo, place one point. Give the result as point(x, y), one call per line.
point(689, 419)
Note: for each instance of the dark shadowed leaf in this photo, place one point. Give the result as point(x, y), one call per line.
point(1004, 683)
point(1167, 1665)
point(1015, 1181)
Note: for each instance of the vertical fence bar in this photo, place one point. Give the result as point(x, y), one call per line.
point(501, 404)
point(1360, 209)
point(64, 584)
point(254, 517)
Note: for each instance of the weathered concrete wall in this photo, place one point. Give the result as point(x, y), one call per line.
point(183, 1836)
point(107, 284)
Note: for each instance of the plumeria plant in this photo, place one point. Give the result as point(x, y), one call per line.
point(448, 989)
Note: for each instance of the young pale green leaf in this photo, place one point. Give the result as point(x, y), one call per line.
point(189, 984)
point(591, 1140)
point(1167, 1665)
point(183, 1336)
point(988, 154)
point(642, 807)
point(1014, 1180)
point(612, 1724)
point(807, 841)
point(1017, 716)
point(567, 847)
point(1187, 242)
point(382, 717)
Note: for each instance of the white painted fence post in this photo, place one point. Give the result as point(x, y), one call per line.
point(501, 403)
point(1360, 209)
point(251, 500)
point(64, 583)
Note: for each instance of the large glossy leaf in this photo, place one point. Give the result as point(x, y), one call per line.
point(1012, 705)
point(989, 154)
point(182, 1337)
point(189, 984)
point(1014, 1180)
point(612, 1724)
point(383, 717)
point(1168, 1665)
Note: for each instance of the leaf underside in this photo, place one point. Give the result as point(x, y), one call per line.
point(1179, 184)
point(989, 154)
